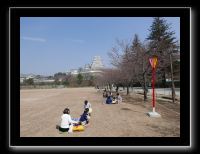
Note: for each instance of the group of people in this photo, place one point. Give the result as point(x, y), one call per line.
point(67, 122)
point(110, 99)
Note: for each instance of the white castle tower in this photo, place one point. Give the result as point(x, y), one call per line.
point(96, 63)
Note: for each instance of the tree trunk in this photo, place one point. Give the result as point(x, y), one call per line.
point(145, 88)
point(144, 80)
point(127, 92)
point(145, 95)
point(110, 86)
point(172, 81)
point(117, 88)
point(164, 80)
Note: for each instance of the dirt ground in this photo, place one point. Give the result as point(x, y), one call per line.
point(41, 109)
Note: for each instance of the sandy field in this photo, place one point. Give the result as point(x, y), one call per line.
point(41, 110)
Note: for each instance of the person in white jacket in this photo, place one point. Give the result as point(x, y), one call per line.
point(88, 105)
point(66, 122)
point(119, 98)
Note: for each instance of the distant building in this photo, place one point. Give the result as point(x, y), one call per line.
point(87, 67)
point(74, 71)
point(97, 63)
point(36, 78)
point(94, 68)
point(68, 73)
point(26, 76)
point(43, 79)
point(22, 79)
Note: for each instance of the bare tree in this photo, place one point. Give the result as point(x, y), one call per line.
point(121, 58)
point(140, 57)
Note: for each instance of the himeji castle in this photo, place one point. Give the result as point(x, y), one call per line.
point(97, 63)
point(94, 68)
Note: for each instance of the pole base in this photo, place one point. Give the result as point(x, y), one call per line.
point(153, 114)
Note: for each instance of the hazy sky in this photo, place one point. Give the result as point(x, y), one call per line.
point(50, 45)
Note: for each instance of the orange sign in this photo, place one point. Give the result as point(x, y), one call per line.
point(153, 61)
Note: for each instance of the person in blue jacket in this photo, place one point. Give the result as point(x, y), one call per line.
point(109, 100)
point(84, 119)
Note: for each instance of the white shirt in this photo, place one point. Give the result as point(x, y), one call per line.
point(87, 106)
point(119, 98)
point(66, 120)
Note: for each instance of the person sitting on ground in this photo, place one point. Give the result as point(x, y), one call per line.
point(114, 101)
point(104, 93)
point(66, 121)
point(119, 98)
point(84, 119)
point(109, 100)
point(110, 94)
point(89, 106)
point(107, 94)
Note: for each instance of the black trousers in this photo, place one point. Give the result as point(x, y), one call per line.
point(63, 129)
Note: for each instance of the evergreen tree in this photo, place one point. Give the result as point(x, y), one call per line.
point(162, 43)
point(161, 38)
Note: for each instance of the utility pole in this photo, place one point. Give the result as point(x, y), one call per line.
point(172, 79)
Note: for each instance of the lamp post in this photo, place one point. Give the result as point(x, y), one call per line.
point(153, 61)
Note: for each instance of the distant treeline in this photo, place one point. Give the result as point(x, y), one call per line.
point(61, 80)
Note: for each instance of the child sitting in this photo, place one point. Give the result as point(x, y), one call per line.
point(84, 119)
point(109, 100)
point(104, 94)
point(89, 106)
point(119, 98)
